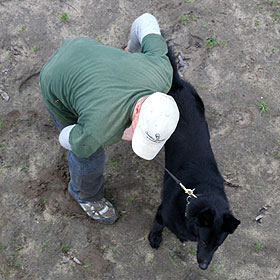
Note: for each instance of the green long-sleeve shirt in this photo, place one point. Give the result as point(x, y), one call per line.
point(96, 87)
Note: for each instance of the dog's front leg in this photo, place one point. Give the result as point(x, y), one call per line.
point(155, 235)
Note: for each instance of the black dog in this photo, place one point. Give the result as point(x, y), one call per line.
point(188, 155)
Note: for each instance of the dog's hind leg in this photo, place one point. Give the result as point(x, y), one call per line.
point(155, 235)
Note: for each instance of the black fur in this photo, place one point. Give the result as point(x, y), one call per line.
point(188, 155)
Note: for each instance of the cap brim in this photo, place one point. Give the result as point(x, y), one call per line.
point(143, 147)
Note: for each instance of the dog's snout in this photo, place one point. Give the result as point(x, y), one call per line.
point(203, 266)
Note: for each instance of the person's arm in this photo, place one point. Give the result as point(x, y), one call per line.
point(144, 25)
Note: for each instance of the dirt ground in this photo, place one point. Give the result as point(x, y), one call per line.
point(229, 50)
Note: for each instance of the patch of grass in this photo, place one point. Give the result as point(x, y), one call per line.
point(172, 258)
point(35, 49)
point(278, 140)
point(211, 43)
point(188, 1)
point(9, 55)
point(217, 113)
point(64, 17)
point(24, 167)
point(114, 164)
point(259, 7)
point(2, 248)
point(187, 17)
point(214, 268)
point(276, 14)
point(205, 25)
point(1, 124)
point(257, 22)
point(45, 229)
point(223, 43)
point(131, 199)
point(86, 265)
point(126, 31)
point(276, 155)
point(64, 248)
point(22, 28)
point(258, 246)
point(114, 250)
point(263, 107)
point(202, 86)
point(44, 245)
point(7, 165)
point(233, 102)
point(193, 252)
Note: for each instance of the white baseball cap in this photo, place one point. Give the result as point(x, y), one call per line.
point(158, 118)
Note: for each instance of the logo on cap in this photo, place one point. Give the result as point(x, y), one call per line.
point(156, 139)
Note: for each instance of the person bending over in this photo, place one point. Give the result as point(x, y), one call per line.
point(98, 95)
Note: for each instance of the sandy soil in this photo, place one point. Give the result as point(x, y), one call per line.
point(229, 50)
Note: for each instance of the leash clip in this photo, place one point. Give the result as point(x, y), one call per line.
point(189, 192)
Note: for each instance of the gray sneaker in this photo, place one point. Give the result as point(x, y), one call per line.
point(101, 210)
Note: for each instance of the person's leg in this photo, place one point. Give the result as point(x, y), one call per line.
point(86, 183)
point(86, 186)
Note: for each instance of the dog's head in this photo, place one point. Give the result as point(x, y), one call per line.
point(211, 229)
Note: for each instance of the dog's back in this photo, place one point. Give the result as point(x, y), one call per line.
point(189, 156)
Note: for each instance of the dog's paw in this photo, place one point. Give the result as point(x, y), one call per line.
point(155, 239)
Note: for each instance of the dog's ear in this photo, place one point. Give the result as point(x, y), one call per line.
point(205, 218)
point(230, 223)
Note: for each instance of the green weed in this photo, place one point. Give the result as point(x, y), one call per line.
point(259, 7)
point(22, 28)
point(64, 17)
point(202, 86)
point(276, 155)
point(214, 268)
point(193, 252)
point(1, 124)
point(35, 49)
point(86, 265)
point(205, 25)
point(263, 107)
point(8, 165)
point(2, 248)
point(9, 55)
point(24, 166)
point(114, 250)
point(126, 31)
point(258, 246)
point(276, 14)
point(132, 198)
point(211, 43)
point(188, 17)
point(64, 248)
point(44, 245)
point(114, 164)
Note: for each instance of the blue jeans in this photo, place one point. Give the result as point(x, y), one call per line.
point(86, 174)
